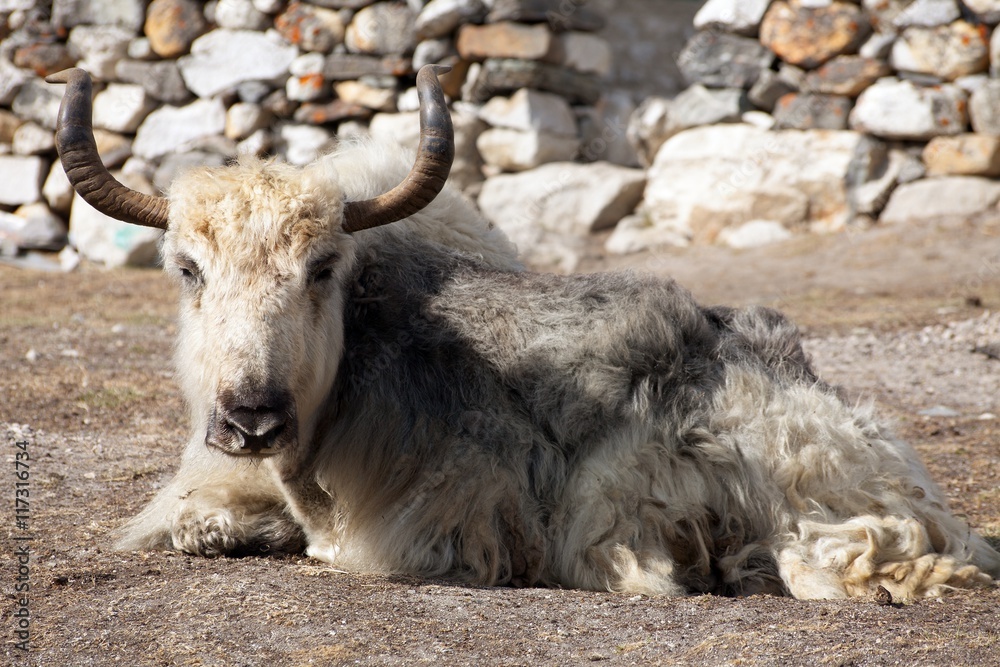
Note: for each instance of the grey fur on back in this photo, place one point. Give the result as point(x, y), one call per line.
point(446, 360)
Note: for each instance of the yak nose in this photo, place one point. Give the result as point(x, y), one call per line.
point(258, 426)
point(255, 423)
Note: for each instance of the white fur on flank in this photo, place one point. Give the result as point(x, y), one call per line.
point(459, 417)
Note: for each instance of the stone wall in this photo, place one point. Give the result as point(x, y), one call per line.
point(818, 115)
point(752, 121)
point(181, 83)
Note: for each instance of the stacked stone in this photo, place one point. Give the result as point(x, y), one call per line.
point(908, 87)
point(181, 83)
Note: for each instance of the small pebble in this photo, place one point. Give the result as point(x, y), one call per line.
point(883, 597)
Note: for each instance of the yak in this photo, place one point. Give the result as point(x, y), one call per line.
point(373, 377)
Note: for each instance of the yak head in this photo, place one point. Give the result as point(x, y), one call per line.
point(262, 253)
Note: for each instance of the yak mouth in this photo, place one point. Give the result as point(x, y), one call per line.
point(255, 424)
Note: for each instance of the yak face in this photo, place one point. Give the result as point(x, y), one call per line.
point(258, 252)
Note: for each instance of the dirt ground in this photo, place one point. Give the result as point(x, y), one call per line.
point(906, 316)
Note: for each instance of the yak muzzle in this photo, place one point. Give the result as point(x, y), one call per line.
point(255, 423)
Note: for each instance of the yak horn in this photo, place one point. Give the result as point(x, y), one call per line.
point(82, 163)
point(429, 172)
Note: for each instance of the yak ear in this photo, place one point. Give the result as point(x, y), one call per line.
point(430, 171)
point(82, 163)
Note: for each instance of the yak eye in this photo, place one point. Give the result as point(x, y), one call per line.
point(322, 270)
point(189, 270)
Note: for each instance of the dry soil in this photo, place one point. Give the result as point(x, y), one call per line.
point(904, 316)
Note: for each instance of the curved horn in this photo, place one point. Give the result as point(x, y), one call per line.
point(82, 163)
point(429, 172)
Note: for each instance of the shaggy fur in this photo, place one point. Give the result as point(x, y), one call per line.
point(459, 417)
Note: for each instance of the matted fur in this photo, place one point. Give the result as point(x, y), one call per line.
point(460, 417)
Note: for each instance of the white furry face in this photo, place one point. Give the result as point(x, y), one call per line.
point(261, 261)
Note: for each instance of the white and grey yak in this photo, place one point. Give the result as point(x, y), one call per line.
point(373, 377)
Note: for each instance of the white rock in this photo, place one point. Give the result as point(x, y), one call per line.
point(257, 143)
point(121, 107)
point(11, 80)
point(98, 48)
point(38, 101)
point(21, 179)
point(269, 6)
point(959, 49)
point(33, 227)
point(305, 143)
point(240, 15)
point(306, 88)
point(136, 165)
point(16, 5)
point(307, 63)
point(69, 259)
point(102, 239)
point(995, 54)
point(899, 109)
point(548, 212)
point(878, 46)
point(928, 14)
point(972, 83)
point(564, 197)
point(984, 108)
point(528, 110)
point(699, 105)
point(636, 233)
point(383, 28)
point(516, 150)
point(432, 52)
point(585, 52)
point(408, 100)
point(657, 119)
point(372, 97)
point(760, 119)
point(648, 126)
point(140, 49)
point(953, 196)
point(58, 191)
point(126, 13)
point(222, 59)
point(170, 128)
point(709, 178)
point(440, 17)
point(740, 16)
point(754, 234)
point(33, 139)
point(400, 128)
point(243, 119)
point(988, 11)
